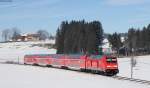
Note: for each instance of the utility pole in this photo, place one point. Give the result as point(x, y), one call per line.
point(133, 62)
point(18, 59)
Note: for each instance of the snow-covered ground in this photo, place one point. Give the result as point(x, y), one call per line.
point(140, 71)
point(17, 50)
point(17, 76)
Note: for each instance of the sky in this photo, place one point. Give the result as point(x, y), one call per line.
point(32, 15)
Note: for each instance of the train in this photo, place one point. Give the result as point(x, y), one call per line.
point(101, 64)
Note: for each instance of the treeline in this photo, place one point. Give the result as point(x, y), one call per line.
point(8, 34)
point(79, 37)
point(135, 41)
point(139, 40)
point(115, 41)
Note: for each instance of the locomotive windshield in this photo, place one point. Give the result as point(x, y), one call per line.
point(111, 60)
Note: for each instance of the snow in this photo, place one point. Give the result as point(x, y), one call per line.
point(16, 50)
point(140, 71)
point(106, 43)
point(19, 76)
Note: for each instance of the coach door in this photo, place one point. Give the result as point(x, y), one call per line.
point(74, 61)
point(88, 63)
point(95, 62)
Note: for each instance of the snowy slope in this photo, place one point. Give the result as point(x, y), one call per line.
point(17, 50)
point(19, 76)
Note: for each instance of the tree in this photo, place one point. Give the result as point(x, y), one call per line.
point(15, 33)
point(59, 42)
point(132, 38)
point(115, 41)
point(6, 34)
point(51, 37)
point(79, 37)
point(139, 40)
point(43, 34)
point(148, 38)
point(99, 33)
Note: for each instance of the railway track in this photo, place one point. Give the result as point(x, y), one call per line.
point(146, 82)
point(132, 79)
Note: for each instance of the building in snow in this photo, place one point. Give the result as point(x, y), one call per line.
point(27, 37)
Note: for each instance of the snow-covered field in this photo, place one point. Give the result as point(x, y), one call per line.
point(17, 76)
point(140, 71)
point(17, 50)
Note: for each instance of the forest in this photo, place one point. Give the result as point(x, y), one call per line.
point(87, 37)
point(79, 37)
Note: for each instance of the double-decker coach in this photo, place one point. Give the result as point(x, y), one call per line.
point(106, 64)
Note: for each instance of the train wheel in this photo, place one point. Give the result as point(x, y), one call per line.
point(93, 71)
point(105, 74)
point(109, 74)
point(101, 72)
point(35, 64)
point(48, 65)
point(88, 70)
point(82, 70)
point(25, 64)
point(64, 67)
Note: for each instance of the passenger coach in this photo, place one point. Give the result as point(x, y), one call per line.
point(95, 63)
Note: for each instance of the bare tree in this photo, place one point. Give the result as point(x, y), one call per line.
point(6, 34)
point(15, 33)
point(51, 36)
point(43, 34)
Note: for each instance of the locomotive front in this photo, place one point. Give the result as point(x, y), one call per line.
point(111, 66)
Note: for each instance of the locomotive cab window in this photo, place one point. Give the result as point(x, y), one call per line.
point(111, 60)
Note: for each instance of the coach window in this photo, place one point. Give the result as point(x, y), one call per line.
point(96, 56)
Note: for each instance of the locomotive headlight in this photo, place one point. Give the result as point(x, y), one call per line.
point(115, 66)
point(109, 66)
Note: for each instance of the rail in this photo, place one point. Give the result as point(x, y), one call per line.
point(132, 79)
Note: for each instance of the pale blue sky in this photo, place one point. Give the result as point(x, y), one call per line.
point(115, 15)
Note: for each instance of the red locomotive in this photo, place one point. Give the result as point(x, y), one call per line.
point(106, 64)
